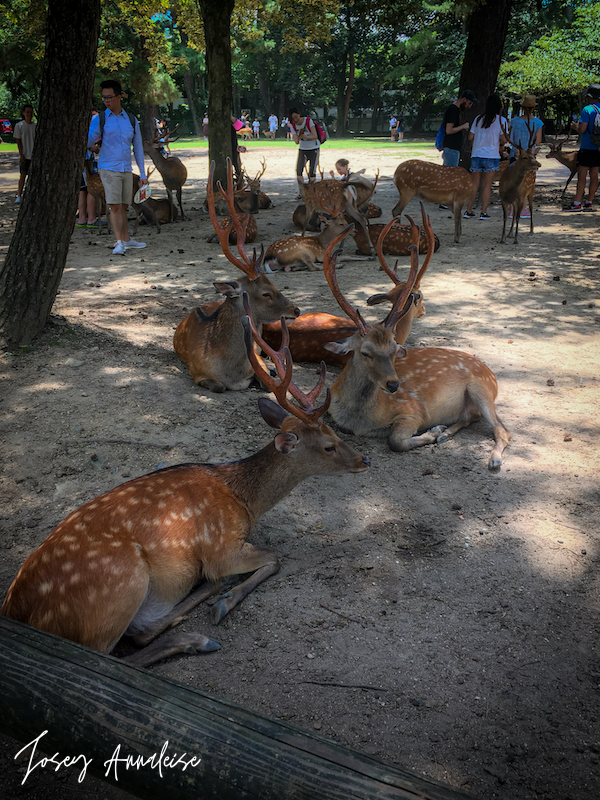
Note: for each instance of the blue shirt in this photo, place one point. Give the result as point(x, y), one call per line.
point(519, 133)
point(117, 138)
point(588, 115)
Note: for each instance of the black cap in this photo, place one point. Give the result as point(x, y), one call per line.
point(469, 95)
point(593, 90)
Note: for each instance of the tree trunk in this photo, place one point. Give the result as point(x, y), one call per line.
point(149, 116)
point(421, 115)
point(188, 83)
point(483, 53)
point(31, 273)
point(341, 99)
point(216, 16)
point(350, 85)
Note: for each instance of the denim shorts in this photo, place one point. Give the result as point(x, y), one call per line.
point(451, 157)
point(484, 164)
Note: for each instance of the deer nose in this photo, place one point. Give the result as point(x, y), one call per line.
point(392, 386)
point(297, 311)
point(366, 461)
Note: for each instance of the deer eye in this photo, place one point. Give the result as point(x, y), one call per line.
point(330, 449)
point(267, 294)
point(367, 355)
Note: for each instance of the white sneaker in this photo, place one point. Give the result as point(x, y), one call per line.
point(18, 198)
point(119, 248)
point(133, 245)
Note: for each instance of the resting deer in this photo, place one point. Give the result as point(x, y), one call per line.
point(309, 333)
point(397, 241)
point(173, 171)
point(328, 194)
point(212, 344)
point(569, 160)
point(304, 252)
point(434, 183)
point(154, 211)
point(516, 184)
point(385, 390)
point(130, 561)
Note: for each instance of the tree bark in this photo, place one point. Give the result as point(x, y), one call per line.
point(31, 273)
point(216, 16)
point(421, 115)
point(483, 53)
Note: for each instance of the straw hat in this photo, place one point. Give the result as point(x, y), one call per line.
point(529, 101)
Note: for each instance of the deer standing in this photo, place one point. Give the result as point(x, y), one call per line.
point(172, 170)
point(434, 183)
point(568, 160)
point(212, 345)
point(516, 184)
point(130, 561)
point(385, 390)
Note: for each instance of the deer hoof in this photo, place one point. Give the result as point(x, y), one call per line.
point(202, 645)
point(494, 463)
point(220, 609)
point(439, 434)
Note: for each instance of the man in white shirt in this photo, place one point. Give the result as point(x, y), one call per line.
point(273, 123)
point(24, 135)
point(118, 131)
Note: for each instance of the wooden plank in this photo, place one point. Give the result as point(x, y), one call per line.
point(97, 707)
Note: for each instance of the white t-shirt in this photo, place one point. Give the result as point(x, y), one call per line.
point(486, 141)
point(306, 144)
point(26, 133)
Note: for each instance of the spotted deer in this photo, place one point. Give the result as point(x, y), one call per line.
point(413, 397)
point(303, 252)
point(171, 168)
point(397, 241)
point(135, 560)
point(568, 160)
point(517, 184)
point(433, 183)
point(211, 342)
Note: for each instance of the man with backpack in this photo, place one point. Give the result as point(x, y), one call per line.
point(305, 134)
point(588, 157)
point(112, 134)
point(453, 138)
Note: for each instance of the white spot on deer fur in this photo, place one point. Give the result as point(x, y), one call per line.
point(45, 587)
point(68, 538)
point(75, 578)
point(75, 546)
point(116, 543)
point(67, 566)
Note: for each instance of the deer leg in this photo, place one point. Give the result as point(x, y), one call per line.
point(213, 386)
point(517, 208)
point(190, 643)
point(504, 212)
point(262, 563)
point(401, 441)
point(530, 199)
point(457, 222)
point(180, 205)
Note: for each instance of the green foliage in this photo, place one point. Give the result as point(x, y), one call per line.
point(565, 59)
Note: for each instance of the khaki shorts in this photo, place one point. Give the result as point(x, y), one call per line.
point(118, 186)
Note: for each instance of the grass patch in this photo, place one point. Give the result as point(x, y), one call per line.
point(354, 143)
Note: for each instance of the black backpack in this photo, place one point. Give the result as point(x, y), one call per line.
point(595, 130)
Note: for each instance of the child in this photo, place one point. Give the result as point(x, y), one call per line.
point(256, 128)
point(342, 166)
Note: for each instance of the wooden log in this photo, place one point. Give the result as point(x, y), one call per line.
point(99, 709)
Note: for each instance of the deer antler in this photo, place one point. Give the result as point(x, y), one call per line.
point(370, 195)
point(308, 412)
point(252, 268)
point(329, 262)
point(392, 274)
point(427, 227)
point(263, 170)
point(401, 307)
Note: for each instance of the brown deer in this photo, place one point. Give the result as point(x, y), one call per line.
point(569, 160)
point(152, 210)
point(385, 390)
point(434, 183)
point(297, 252)
point(173, 171)
point(516, 184)
point(212, 344)
point(397, 241)
point(96, 188)
point(131, 561)
point(370, 211)
point(328, 194)
point(309, 333)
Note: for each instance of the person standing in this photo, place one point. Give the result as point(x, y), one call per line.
point(24, 135)
point(205, 126)
point(304, 134)
point(487, 135)
point(256, 128)
point(453, 138)
point(273, 123)
point(393, 128)
point(112, 134)
point(400, 126)
point(588, 157)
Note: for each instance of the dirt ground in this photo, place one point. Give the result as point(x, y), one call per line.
point(467, 601)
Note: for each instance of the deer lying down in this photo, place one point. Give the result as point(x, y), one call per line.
point(129, 562)
point(211, 342)
point(413, 397)
point(298, 252)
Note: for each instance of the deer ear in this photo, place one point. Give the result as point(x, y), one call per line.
point(272, 414)
point(341, 347)
point(400, 351)
point(228, 289)
point(376, 299)
point(286, 442)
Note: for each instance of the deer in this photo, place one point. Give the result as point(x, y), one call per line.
point(171, 168)
point(339, 195)
point(301, 252)
point(397, 240)
point(96, 188)
point(370, 211)
point(516, 184)
point(211, 341)
point(434, 183)
point(152, 210)
point(412, 397)
point(569, 160)
point(309, 333)
point(138, 558)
